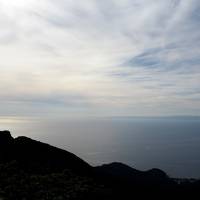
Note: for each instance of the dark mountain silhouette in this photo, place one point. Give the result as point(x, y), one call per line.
point(127, 174)
point(32, 170)
point(37, 156)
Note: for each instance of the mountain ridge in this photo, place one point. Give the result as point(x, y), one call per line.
point(30, 169)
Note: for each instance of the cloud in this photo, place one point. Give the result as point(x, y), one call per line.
point(105, 57)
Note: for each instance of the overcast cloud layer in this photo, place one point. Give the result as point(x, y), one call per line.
point(99, 57)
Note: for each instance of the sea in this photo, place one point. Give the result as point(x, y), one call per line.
point(168, 143)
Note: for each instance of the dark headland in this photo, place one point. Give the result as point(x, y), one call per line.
point(32, 170)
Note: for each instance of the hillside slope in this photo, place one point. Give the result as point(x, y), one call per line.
point(32, 170)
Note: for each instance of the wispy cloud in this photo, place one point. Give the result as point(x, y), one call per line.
point(104, 57)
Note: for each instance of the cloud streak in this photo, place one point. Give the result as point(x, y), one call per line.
point(104, 57)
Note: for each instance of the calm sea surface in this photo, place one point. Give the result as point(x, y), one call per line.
point(171, 144)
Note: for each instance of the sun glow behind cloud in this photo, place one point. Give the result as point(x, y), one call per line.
point(16, 3)
point(99, 57)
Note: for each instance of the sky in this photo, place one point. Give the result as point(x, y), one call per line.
point(99, 58)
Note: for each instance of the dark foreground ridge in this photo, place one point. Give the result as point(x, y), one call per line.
point(31, 170)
